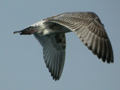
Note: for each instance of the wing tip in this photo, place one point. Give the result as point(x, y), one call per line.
point(54, 76)
point(108, 60)
point(104, 59)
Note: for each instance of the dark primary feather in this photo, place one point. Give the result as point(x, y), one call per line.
point(89, 29)
point(50, 33)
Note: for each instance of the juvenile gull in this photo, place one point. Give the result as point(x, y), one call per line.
point(50, 32)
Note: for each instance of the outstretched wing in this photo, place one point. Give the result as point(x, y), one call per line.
point(89, 29)
point(53, 52)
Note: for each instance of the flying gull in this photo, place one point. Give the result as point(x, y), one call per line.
point(50, 32)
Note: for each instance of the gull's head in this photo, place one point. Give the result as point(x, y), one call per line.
point(34, 28)
point(27, 31)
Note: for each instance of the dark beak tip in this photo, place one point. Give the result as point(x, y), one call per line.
point(16, 32)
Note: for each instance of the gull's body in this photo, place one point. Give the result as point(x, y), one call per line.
point(50, 32)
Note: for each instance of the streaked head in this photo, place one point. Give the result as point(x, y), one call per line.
point(37, 27)
point(27, 31)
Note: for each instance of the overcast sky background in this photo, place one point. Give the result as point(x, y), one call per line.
point(21, 60)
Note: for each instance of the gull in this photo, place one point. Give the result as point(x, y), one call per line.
point(50, 32)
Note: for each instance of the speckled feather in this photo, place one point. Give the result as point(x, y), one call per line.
point(89, 29)
point(50, 32)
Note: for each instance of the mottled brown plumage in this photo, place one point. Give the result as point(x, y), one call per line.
point(50, 32)
point(89, 29)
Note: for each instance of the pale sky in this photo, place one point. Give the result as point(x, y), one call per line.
point(21, 61)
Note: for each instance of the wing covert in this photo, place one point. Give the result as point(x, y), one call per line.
point(89, 29)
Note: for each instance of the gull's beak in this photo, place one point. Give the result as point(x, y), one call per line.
point(27, 31)
point(17, 32)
